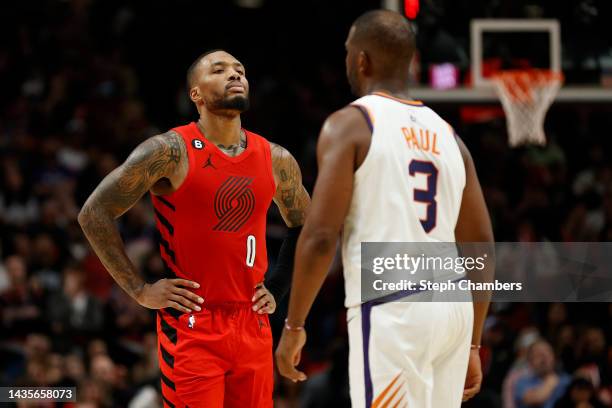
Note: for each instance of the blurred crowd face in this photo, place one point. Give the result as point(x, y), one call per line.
point(96, 348)
point(50, 212)
point(525, 340)
point(557, 314)
point(46, 251)
point(75, 369)
point(22, 244)
point(103, 370)
point(16, 270)
point(90, 393)
point(541, 358)
point(220, 84)
point(594, 342)
point(12, 177)
point(73, 282)
point(55, 368)
point(37, 346)
point(36, 372)
point(581, 392)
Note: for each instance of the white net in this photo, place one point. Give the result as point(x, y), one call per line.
point(526, 96)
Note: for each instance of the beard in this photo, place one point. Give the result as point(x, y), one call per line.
point(238, 103)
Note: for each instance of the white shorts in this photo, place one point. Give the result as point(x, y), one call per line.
point(409, 354)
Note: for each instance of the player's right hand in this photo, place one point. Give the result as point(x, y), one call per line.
point(171, 293)
point(288, 354)
point(473, 379)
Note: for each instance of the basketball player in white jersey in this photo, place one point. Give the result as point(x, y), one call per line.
point(390, 169)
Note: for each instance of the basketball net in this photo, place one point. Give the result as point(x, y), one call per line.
point(526, 96)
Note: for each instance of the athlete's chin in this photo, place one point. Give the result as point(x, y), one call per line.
point(232, 103)
point(239, 103)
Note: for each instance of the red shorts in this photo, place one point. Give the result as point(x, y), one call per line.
point(218, 358)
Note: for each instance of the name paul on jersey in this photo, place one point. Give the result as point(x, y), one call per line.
point(421, 140)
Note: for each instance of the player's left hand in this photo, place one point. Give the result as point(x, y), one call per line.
point(473, 378)
point(263, 301)
point(288, 354)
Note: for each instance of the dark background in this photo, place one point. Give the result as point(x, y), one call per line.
point(83, 82)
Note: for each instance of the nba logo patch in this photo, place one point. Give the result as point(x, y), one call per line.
point(191, 321)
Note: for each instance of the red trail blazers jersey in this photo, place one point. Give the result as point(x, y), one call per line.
point(212, 229)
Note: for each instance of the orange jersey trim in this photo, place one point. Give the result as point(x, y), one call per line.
point(406, 101)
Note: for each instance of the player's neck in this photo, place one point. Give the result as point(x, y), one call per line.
point(391, 87)
point(221, 130)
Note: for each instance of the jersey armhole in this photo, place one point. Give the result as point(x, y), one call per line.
point(366, 114)
point(268, 154)
point(369, 118)
point(190, 163)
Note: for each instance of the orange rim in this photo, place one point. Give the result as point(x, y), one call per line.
point(518, 84)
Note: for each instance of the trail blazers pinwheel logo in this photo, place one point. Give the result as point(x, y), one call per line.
point(234, 203)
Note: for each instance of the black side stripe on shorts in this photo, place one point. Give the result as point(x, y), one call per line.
point(167, 401)
point(167, 381)
point(168, 358)
point(173, 312)
point(168, 330)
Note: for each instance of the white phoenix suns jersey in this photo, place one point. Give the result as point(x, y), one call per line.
point(409, 186)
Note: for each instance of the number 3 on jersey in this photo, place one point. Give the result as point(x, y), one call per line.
point(428, 196)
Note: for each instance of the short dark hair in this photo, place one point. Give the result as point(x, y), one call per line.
point(194, 64)
point(389, 39)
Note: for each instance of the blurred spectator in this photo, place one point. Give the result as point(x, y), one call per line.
point(580, 394)
point(329, 388)
point(73, 312)
point(520, 368)
point(92, 394)
point(112, 380)
point(74, 369)
point(542, 386)
point(19, 305)
point(147, 368)
point(47, 261)
point(36, 353)
point(17, 204)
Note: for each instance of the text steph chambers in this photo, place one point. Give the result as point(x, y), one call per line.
point(425, 285)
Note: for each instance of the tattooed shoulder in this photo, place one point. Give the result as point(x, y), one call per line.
point(154, 159)
point(158, 156)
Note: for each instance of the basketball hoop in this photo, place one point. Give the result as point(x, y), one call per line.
point(526, 96)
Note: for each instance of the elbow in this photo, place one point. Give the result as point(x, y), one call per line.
point(82, 217)
point(319, 242)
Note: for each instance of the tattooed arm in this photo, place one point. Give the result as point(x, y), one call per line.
point(154, 163)
point(291, 197)
point(293, 201)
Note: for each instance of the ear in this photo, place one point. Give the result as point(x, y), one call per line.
point(194, 94)
point(364, 64)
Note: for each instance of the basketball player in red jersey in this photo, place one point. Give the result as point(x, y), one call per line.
point(211, 184)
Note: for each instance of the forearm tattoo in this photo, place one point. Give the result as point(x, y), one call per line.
point(291, 196)
point(157, 158)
